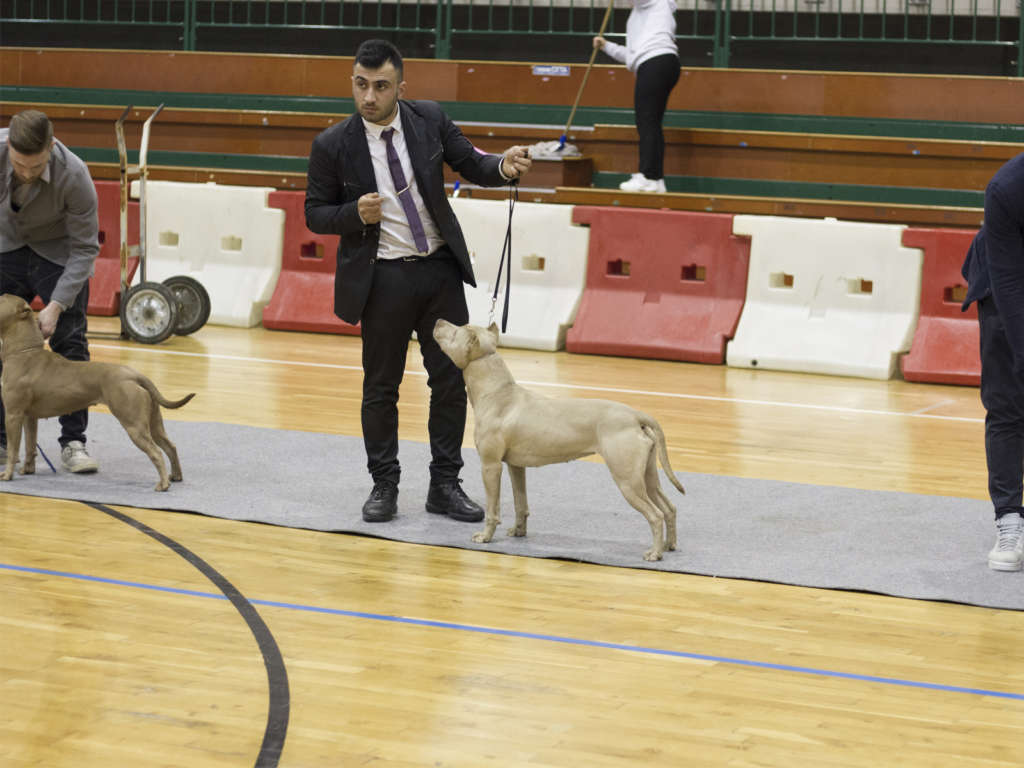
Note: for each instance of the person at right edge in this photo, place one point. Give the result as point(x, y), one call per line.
point(994, 269)
point(651, 53)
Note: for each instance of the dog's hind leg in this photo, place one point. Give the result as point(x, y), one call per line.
point(518, 477)
point(28, 466)
point(661, 501)
point(629, 470)
point(132, 410)
point(156, 428)
point(491, 471)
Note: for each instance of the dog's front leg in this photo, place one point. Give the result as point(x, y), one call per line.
point(28, 466)
point(518, 477)
point(492, 485)
point(13, 442)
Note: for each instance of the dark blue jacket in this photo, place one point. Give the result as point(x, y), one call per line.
point(995, 261)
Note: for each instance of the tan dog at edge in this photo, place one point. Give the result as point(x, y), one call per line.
point(523, 429)
point(38, 384)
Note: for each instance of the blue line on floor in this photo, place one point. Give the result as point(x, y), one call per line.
point(535, 636)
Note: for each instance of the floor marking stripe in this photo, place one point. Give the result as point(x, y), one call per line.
point(918, 414)
point(541, 637)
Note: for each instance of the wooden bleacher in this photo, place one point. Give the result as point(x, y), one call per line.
point(873, 147)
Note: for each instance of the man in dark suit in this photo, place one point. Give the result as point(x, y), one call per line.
point(377, 180)
point(994, 269)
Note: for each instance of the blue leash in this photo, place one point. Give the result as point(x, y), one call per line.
point(46, 458)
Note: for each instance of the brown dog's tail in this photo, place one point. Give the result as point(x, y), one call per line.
point(654, 430)
point(151, 388)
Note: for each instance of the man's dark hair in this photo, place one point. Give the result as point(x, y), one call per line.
point(374, 54)
point(30, 132)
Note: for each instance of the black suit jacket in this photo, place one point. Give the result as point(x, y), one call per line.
point(340, 172)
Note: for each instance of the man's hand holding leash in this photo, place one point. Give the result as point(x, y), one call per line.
point(515, 161)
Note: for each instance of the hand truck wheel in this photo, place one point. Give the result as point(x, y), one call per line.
point(149, 312)
point(193, 303)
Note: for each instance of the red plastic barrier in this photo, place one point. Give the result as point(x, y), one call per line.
point(946, 347)
point(105, 284)
point(660, 284)
point(303, 299)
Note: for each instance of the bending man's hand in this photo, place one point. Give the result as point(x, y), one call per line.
point(47, 318)
point(515, 162)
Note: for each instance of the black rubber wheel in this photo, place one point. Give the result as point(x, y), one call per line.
point(149, 312)
point(193, 303)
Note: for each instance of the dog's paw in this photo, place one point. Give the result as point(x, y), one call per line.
point(483, 537)
point(163, 485)
point(5, 475)
point(652, 555)
point(29, 469)
point(516, 530)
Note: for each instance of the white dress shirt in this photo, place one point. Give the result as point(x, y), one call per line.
point(396, 238)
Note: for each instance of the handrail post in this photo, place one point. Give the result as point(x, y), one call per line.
point(1020, 39)
point(189, 31)
point(720, 48)
point(443, 31)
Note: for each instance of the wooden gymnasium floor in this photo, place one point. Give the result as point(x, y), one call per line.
point(116, 652)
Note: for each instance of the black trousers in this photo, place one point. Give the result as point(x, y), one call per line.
point(655, 79)
point(26, 274)
point(409, 296)
point(1002, 394)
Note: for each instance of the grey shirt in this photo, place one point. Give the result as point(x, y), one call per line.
point(57, 219)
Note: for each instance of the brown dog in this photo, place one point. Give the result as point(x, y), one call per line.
point(38, 384)
point(523, 429)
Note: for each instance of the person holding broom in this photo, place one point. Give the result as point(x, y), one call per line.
point(651, 53)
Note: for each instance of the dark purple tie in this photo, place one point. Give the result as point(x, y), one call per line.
point(404, 193)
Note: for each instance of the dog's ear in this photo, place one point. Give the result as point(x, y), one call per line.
point(493, 330)
point(24, 311)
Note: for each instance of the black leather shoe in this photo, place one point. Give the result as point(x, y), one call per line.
point(382, 504)
point(448, 498)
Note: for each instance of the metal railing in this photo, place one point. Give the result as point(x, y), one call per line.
point(720, 25)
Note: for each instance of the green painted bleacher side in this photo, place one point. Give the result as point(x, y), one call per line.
point(534, 114)
point(861, 193)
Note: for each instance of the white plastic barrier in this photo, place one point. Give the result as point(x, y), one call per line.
point(226, 237)
point(826, 296)
point(549, 268)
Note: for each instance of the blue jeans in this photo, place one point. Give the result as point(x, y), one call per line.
point(26, 274)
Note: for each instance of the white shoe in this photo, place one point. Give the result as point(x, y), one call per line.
point(640, 183)
point(74, 458)
point(1008, 553)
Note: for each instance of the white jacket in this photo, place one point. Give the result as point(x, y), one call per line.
point(650, 32)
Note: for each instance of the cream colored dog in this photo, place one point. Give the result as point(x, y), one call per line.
point(527, 430)
point(37, 384)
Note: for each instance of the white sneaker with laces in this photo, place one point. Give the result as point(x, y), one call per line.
point(1008, 553)
point(73, 458)
point(640, 183)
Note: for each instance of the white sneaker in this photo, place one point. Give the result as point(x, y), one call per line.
point(74, 458)
point(640, 183)
point(1008, 553)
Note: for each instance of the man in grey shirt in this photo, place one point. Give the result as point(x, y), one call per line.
point(49, 239)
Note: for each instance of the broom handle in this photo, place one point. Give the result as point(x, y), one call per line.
point(586, 74)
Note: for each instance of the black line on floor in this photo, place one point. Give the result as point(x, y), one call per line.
point(277, 675)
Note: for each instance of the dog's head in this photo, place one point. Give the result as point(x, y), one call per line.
point(466, 343)
point(13, 309)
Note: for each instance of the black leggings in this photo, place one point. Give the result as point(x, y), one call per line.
point(655, 79)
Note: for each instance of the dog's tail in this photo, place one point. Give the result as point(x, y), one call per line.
point(652, 427)
point(151, 388)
